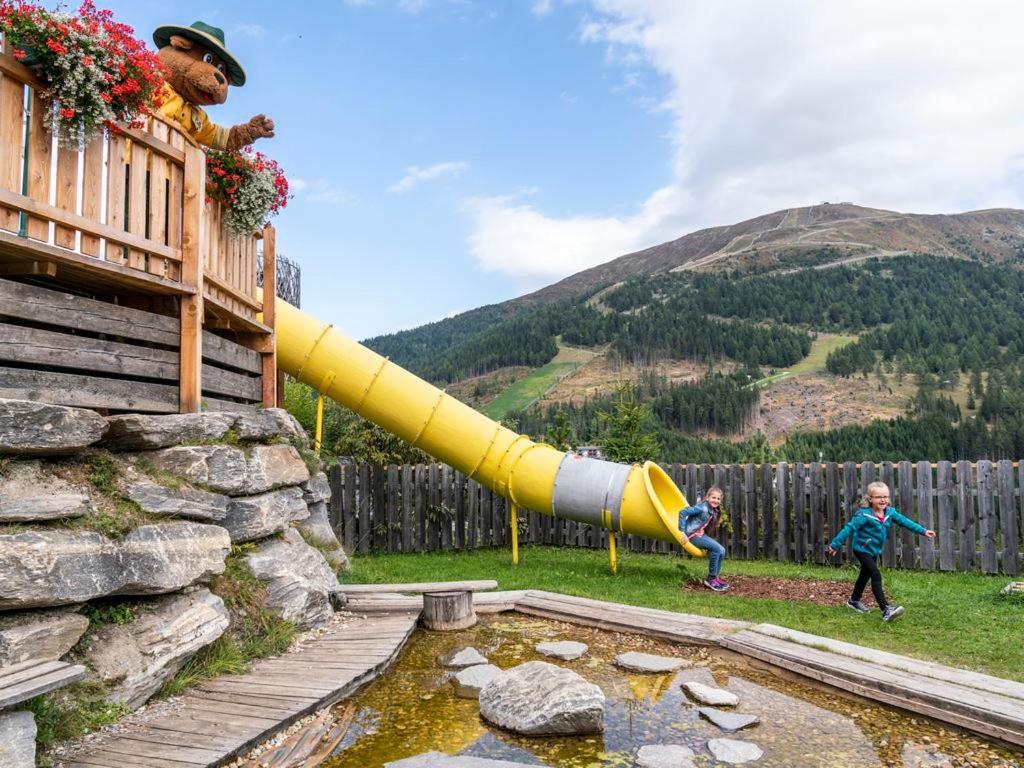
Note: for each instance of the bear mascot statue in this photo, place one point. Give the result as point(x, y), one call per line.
point(199, 71)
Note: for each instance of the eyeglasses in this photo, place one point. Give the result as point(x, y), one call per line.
point(879, 497)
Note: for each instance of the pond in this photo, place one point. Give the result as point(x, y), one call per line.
point(414, 709)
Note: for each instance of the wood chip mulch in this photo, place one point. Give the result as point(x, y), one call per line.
point(817, 591)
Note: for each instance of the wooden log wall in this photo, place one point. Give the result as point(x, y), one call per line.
point(785, 511)
point(66, 349)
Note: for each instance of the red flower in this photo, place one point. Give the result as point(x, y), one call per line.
point(19, 54)
point(67, 113)
point(55, 46)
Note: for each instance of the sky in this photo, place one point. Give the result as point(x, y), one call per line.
point(448, 154)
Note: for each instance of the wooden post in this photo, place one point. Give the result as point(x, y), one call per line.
point(271, 395)
point(190, 375)
point(448, 610)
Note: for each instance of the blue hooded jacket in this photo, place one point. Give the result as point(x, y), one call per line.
point(869, 533)
point(692, 519)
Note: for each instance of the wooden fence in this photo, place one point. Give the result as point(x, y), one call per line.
point(778, 511)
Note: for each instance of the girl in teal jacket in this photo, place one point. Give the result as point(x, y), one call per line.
point(869, 527)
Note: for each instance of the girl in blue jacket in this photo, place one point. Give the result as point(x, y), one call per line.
point(869, 527)
point(693, 521)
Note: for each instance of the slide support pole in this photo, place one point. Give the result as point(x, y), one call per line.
point(515, 534)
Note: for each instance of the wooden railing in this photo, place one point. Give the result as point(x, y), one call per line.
point(126, 213)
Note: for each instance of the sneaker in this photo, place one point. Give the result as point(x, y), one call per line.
point(891, 612)
point(858, 606)
point(716, 584)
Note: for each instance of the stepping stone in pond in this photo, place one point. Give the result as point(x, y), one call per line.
point(441, 760)
point(729, 721)
point(469, 681)
point(463, 657)
point(735, 751)
point(648, 662)
point(539, 698)
point(706, 694)
point(566, 650)
point(664, 756)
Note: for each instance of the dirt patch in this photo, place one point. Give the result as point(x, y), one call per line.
point(817, 591)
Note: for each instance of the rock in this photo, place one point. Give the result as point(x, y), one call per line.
point(316, 489)
point(729, 721)
point(441, 760)
point(184, 502)
point(540, 698)
point(735, 751)
point(664, 756)
point(1013, 588)
point(60, 567)
point(925, 756)
point(44, 508)
point(463, 657)
point(267, 423)
point(299, 581)
point(38, 429)
point(227, 469)
point(469, 681)
point(567, 650)
point(39, 635)
point(17, 740)
point(707, 694)
point(136, 659)
point(135, 432)
point(647, 662)
point(256, 517)
point(317, 528)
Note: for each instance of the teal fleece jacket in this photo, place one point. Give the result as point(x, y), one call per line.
point(869, 533)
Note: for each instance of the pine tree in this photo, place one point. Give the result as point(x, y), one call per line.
point(628, 435)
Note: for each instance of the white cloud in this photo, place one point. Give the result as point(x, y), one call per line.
point(912, 106)
point(542, 7)
point(414, 174)
point(412, 6)
point(253, 31)
point(318, 191)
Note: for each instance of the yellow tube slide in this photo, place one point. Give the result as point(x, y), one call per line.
point(640, 500)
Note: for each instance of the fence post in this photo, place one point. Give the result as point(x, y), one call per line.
point(926, 512)
point(908, 539)
point(782, 511)
point(817, 549)
point(1008, 516)
point(269, 358)
point(965, 515)
point(944, 491)
point(190, 370)
point(987, 518)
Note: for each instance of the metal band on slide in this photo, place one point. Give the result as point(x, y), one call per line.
point(590, 490)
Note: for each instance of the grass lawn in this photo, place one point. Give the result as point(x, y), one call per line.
point(954, 619)
point(537, 383)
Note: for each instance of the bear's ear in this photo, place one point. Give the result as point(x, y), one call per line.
point(181, 43)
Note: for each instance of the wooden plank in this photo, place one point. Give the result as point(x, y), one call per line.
point(767, 511)
point(350, 510)
point(87, 391)
point(394, 537)
point(817, 514)
point(832, 505)
point(433, 510)
point(42, 305)
point(93, 170)
point(156, 225)
point(117, 215)
point(408, 518)
point(750, 495)
point(904, 500)
point(269, 296)
point(987, 523)
point(944, 491)
point(447, 507)
point(40, 152)
point(926, 513)
point(132, 748)
point(378, 477)
point(104, 758)
point(12, 138)
point(228, 353)
point(965, 515)
point(420, 587)
point(221, 382)
point(175, 206)
point(62, 350)
point(889, 552)
point(799, 515)
point(782, 480)
point(190, 386)
point(1008, 517)
point(473, 513)
point(44, 678)
point(851, 499)
point(365, 540)
point(67, 194)
point(137, 214)
point(459, 489)
point(17, 673)
point(421, 507)
point(735, 491)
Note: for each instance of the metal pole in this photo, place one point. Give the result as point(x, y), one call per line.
point(319, 424)
point(515, 535)
point(611, 552)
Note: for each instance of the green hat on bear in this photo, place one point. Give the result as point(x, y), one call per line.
point(204, 34)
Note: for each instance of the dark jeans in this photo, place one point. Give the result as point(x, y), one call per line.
point(869, 570)
point(716, 552)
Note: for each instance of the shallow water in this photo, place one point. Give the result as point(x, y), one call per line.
point(414, 709)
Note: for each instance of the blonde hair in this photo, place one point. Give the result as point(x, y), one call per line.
point(878, 485)
point(713, 489)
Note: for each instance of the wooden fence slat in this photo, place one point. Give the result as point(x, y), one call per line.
point(782, 486)
point(908, 539)
point(472, 513)
point(1007, 516)
point(364, 541)
point(887, 475)
point(987, 518)
point(832, 506)
point(460, 510)
point(40, 151)
point(350, 527)
point(334, 508)
point(750, 505)
point(93, 169)
point(434, 504)
point(379, 516)
point(944, 492)
point(484, 508)
point(394, 537)
point(116, 189)
point(965, 515)
point(67, 193)
point(926, 513)
point(447, 507)
point(735, 491)
point(851, 498)
point(799, 516)
point(816, 547)
point(768, 513)
point(12, 136)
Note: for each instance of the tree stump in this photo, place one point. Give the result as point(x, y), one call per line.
point(448, 610)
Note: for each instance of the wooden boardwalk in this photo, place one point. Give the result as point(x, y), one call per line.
point(225, 717)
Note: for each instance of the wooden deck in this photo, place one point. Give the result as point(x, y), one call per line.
point(227, 716)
